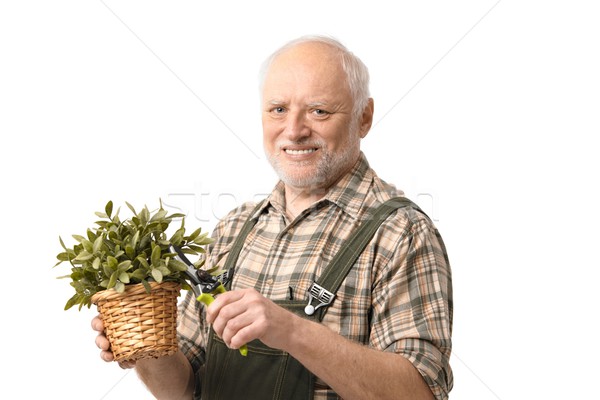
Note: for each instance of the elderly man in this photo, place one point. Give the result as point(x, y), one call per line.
point(372, 323)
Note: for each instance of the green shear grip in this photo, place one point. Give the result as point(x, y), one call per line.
point(207, 299)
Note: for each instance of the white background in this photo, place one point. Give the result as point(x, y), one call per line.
point(486, 113)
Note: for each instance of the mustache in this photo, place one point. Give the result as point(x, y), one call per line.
point(302, 142)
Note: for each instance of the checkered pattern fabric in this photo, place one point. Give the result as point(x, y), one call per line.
point(396, 298)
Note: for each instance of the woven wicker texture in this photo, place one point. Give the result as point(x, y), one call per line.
point(137, 324)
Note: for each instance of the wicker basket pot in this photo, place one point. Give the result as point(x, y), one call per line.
point(137, 324)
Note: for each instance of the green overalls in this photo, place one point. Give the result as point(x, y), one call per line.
point(267, 373)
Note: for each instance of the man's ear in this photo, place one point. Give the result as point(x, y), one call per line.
point(366, 119)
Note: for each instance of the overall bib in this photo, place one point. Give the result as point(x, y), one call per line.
point(267, 373)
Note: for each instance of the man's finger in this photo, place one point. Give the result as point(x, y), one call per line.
point(223, 299)
point(97, 324)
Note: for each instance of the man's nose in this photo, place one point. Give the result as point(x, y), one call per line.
point(297, 126)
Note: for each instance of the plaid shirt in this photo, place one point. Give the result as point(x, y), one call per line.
point(396, 298)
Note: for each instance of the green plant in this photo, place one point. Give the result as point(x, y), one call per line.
point(116, 253)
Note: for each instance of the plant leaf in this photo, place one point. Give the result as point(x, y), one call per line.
point(157, 275)
point(119, 287)
point(177, 236)
point(203, 239)
point(97, 244)
point(142, 260)
point(112, 262)
point(194, 234)
point(90, 235)
point(79, 238)
point(131, 208)
point(144, 215)
point(216, 270)
point(62, 243)
point(129, 251)
point(108, 208)
point(176, 265)
point(135, 239)
point(124, 277)
point(124, 266)
point(64, 256)
point(176, 215)
point(197, 248)
point(87, 245)
point(160, 214)
point(138, 275)
point(72, 301)
point(155, 257)
point(112, 281)
point(83, 256)
point(192, 252)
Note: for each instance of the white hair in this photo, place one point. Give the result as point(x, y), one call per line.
point(357, 74)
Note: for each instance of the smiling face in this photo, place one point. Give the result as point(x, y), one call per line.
point(310, 135)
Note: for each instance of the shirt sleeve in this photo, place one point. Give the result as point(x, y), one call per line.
point(412, 301)
point(190, 333)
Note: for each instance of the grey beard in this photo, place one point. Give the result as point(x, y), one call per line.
point(328, 169)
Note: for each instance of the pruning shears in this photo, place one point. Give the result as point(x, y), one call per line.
point(204, 285)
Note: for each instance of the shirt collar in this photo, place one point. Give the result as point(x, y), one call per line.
point(348, 193)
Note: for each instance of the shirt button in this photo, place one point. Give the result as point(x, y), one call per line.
point(270, 282)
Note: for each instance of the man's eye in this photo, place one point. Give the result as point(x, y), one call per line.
point(320, 112)
point(278, 110)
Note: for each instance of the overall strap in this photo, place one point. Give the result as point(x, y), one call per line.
point(335, 272)
point(234, 253)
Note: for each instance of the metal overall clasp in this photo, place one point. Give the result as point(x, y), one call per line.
point(322, 295)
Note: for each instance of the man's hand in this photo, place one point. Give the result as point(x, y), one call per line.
point(168, 377)
point(240, 316)
point(104, 345)
point(354, 371)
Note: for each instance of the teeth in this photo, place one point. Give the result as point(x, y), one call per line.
point(289, 151)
